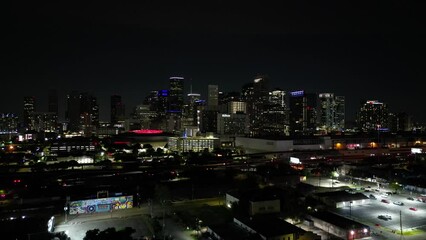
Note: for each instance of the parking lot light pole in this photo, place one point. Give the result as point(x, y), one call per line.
point(66, 216)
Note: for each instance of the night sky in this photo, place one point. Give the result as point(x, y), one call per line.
point(371, 50)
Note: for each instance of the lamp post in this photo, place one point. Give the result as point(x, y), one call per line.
point(350, 209)
point(65, 211)
point(164, 222)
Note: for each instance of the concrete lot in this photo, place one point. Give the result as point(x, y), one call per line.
point(76, 226)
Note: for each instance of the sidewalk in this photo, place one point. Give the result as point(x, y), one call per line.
point(81, 218)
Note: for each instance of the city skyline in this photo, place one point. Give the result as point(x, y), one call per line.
point(362, 53)
point(105, 114)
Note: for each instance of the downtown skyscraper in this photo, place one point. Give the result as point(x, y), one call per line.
point(29, 109)
point(331, 112)
point(117, 109)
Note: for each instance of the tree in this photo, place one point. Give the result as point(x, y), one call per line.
point(59, 236)
point(38, 167)
point(395, 186)
point(110, 234)
point(72, 164)
point(159, 152)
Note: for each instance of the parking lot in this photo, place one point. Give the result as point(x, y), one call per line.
point(388, 213)
point(410, 213)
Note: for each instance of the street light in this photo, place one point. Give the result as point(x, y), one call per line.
point(66, 216)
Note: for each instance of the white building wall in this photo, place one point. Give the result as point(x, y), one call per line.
point(253, 145)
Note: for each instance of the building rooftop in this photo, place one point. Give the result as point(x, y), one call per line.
point(338, 220)
point(265, 194)
point(270, 226)
point(342, 196)
point(232, 231)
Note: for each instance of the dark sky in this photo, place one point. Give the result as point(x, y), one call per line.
point(371, 50)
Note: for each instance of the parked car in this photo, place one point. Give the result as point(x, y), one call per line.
point(371, 196)
point(385, 201)
point(385, 217)
point(398, 203)
point(410, 198)
point(413, 209)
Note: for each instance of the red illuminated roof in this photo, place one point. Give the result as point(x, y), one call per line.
point(147, 131)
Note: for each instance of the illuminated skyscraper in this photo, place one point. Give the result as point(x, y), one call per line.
point(176, 89)
point(44, 121)
point(236, 107)
point(117, 109)
point(89, 110)
point(331, 112)
point(29, 109)
point(8, 123)
point(73, 111)
point(234, 124)
point(340, 114)
point(256, 95)
point(213, 97)
point(373, 115)
point(303, 112)
point(192, 118)
point(400, 122)
point(275, 116)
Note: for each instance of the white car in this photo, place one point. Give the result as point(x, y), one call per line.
point(398, 203)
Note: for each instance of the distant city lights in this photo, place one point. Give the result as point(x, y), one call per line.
point(297, 93)
point(147, 131)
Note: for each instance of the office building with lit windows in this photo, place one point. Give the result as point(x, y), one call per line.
point(373, 116)
point(213, 97)
point(117, 109)
point(235, 124)
point(176, 97)
point(44, 121)
point(331, 112)
point(8, 125)
point(29, 109)
point(195, 144)
point(256, 95)
point(303, 112)
point(190, 110)
point(236, 107)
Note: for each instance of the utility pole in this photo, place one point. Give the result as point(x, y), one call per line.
point(400, 223)
point(164, 222)
point(150, 207)
point(378, 142)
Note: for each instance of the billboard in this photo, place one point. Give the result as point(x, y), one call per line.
point(100, 205)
